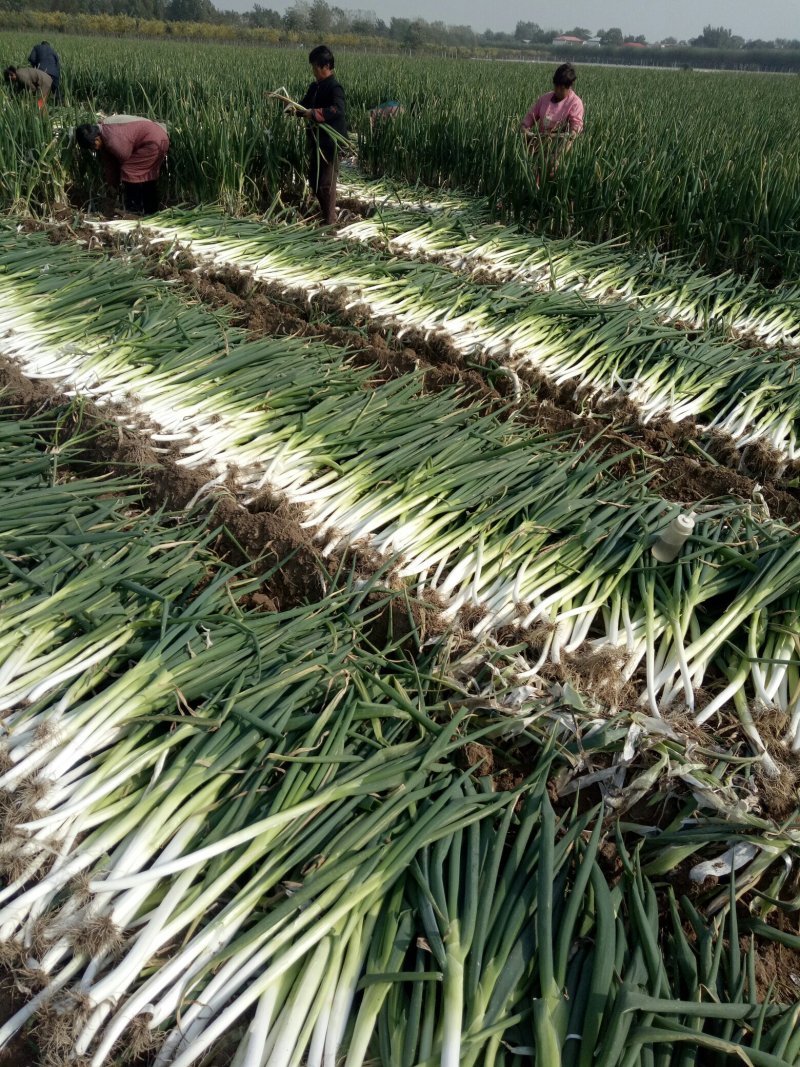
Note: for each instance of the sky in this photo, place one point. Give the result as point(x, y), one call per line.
point(669, 18)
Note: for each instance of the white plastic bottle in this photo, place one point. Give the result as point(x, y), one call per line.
point(673, 537)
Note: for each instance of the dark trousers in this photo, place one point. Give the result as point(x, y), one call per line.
point(322, 178)
point(141, 198)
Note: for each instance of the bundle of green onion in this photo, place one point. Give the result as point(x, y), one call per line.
point(261, 831)
point(460, 235)
point(609, 351)
point(471, 507)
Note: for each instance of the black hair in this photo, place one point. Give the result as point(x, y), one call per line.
point(8, 72)
point(321, 56)
point(87, 134)
point(46, 42)
point(565, 75)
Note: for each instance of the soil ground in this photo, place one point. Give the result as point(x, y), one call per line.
point(21, 1051)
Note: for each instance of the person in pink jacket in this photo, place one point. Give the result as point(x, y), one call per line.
point(556, 119)
point(132, 153)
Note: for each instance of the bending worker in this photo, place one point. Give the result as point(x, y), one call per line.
point(556, 118)
point(44, 57)
point(28, 79)
point(132, 153)
point(323, 104)
point(389, 109)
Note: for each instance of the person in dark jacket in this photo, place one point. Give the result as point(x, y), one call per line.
point(44, 57)
point(323, 104)
point(132, 153)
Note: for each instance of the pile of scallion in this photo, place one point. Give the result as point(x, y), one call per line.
point(460, 237)
point(618, 351)
point(504, 524)
point(268, 839)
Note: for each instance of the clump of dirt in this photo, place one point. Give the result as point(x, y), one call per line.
point(470, 616)
point(476, 756)
point(693, 480)
point(239, 281)
point(365, 209)
point(722, 448)
point(758, 460)
point(538, 635)
point(402, 619)
point(553, 672)
point(684, 723)
point(447, 375)
point(777, 968)
point(21, 1050)
point(96, 935)
point(17, 391)
point(507, 780)
point(139, 1039)
point(258, 602)
point(55, 1033)
point(72, 232)
point(762, 460)
point(598, 674)
point(509, 636)
point(780, 796)
point(543, 388)
point(683, 885)
point(18, 806)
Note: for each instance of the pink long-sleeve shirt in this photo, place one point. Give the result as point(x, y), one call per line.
point(551, 115)
point(133, 151)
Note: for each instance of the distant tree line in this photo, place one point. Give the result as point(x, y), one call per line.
point(720, 37)
point(317, 18)
point(711, 37)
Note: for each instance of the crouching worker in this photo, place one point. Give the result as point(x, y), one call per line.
point(389, 109)
point(133, 154)
point(27, 79)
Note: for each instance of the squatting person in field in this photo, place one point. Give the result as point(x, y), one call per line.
point(323, 105)
point(44, 57)
point(389, 109)
point(132, 153)
point(556, 119)
point(30, 80)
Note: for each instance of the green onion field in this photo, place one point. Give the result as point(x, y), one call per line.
point(400, 622)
